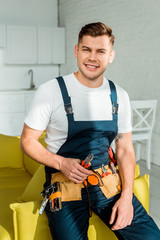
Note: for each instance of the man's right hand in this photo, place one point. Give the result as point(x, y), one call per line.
point(72, 169)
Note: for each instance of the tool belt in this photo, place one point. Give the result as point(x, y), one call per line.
point(110, 185)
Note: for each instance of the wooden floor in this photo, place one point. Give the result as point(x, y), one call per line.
point(154, 174)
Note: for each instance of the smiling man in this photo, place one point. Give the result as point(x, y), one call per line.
point(93, 56)
point(82, 114)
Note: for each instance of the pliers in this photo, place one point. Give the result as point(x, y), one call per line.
point(86, 162)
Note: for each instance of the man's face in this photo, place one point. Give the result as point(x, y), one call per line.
point(93, 55)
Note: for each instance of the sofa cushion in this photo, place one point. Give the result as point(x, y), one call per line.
point(28, 224)
point(4, 234)
point(141, 190)
point(11, 154)
point(8, 196)
point(34, 187)
point(12, 184)
point(14, 178)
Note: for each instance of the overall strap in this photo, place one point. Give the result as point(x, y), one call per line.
point(66, 98)
point(113, 97)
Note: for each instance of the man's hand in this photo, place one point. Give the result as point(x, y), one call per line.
point(72, 169)
point(122, 213)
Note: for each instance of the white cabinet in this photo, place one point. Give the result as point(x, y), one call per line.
point(44, 45)
point(51, 45)
point(21, 45)
point(58, 45)
point(13, 109)
point(2, 35)
point(32, 45)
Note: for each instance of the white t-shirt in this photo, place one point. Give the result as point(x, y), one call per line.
point(89, 104)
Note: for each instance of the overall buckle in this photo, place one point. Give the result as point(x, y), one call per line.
point(115, 108)
point(68, 108)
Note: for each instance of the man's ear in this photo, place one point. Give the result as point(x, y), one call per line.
point(76, 50)
point(112, 55)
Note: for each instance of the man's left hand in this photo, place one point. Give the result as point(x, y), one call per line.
point(122, 213)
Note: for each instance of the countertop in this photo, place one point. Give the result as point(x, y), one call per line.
point(23, 90)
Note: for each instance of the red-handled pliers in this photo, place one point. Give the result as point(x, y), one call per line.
point(86, 162)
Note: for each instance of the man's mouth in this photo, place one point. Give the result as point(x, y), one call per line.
point(91, 66)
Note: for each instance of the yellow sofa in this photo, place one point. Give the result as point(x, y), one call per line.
point(21, 181)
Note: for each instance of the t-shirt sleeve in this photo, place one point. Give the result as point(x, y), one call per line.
point(124, 112)
point(40, 110)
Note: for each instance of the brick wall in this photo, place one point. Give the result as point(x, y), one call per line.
point(136, 25)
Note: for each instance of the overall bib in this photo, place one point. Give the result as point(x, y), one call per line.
point(85, 137)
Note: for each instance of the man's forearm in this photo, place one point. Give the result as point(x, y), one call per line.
point(126, 166)
point(35, 150)
point(126, 162)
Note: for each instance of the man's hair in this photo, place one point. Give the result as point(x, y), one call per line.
point(96, 29)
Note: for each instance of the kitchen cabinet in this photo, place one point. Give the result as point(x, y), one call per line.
point(34, 45)
point(44, 45)
point(2, 35)
point(51, 45)
point(58, 45)
point(21, 45)
point(14, 106)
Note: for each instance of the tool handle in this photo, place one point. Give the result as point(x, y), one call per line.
point(112, 155)
point(83, 164)
point(105, 174)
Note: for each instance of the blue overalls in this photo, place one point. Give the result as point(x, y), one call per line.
point(85, 137)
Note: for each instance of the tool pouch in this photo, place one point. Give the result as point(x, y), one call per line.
point(112, 185)
point(70, 190)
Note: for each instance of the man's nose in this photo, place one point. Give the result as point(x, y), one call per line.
point(92, 56)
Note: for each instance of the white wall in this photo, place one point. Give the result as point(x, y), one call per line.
point(30, 12)
point(136, 25)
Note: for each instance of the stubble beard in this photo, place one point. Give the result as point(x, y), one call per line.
point(91, 78)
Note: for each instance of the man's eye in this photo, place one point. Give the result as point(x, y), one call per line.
point(101, 52)
point(85, 49)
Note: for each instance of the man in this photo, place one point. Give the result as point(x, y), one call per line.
point(83, 113)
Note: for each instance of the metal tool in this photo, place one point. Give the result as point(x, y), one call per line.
point(86, 162)
point(44, 203)
point(52, 193)
point(55, 198)
point(113, 167)
point(104, 171)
